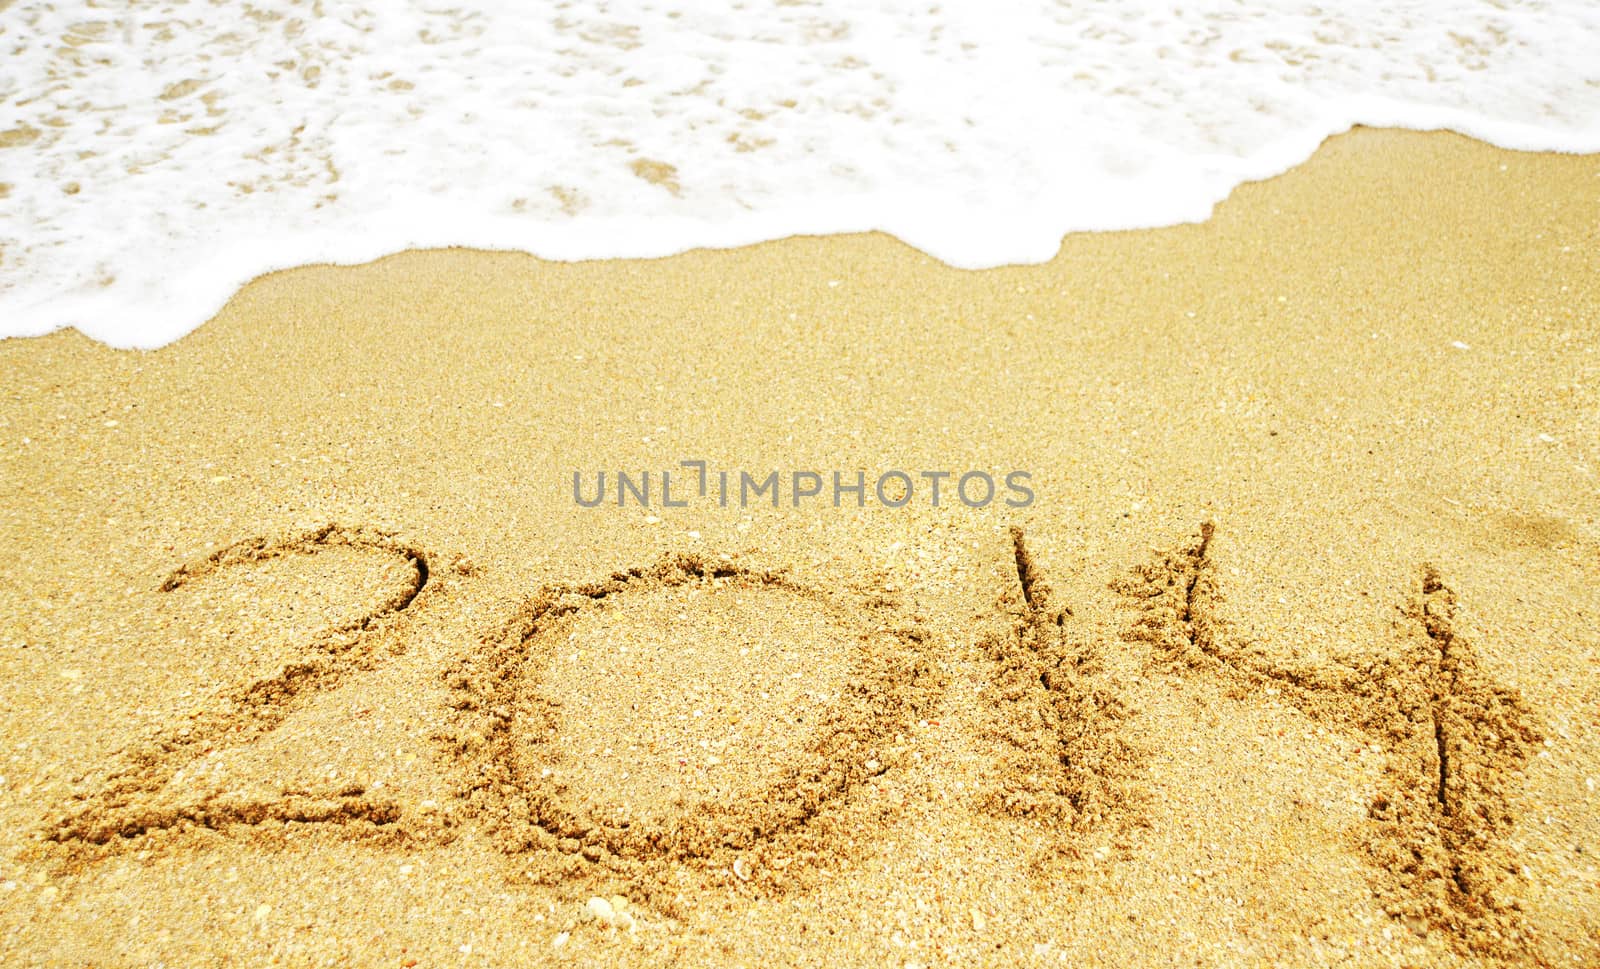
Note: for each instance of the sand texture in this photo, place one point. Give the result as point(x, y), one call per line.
point(309, 657)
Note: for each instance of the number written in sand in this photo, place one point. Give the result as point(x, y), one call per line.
point(1438, 831)
point(602, 735)
point(588, 740)
point(136, 797)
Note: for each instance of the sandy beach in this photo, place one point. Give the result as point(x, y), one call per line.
point(308, 655)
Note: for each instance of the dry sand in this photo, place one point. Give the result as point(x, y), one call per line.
point(1354, 722)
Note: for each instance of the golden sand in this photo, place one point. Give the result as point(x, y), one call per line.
point(310, 657)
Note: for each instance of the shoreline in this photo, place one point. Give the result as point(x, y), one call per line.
point(216, 296)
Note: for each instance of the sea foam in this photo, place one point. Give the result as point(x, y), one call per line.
point(155, 156)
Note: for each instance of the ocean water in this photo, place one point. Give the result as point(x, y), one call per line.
point(156, 155)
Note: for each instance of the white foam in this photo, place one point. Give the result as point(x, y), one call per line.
point(296, 132)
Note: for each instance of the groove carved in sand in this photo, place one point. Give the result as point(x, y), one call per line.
point(1063, 759)
point(520, 778)
point(1456, 743)
point(131, 801)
